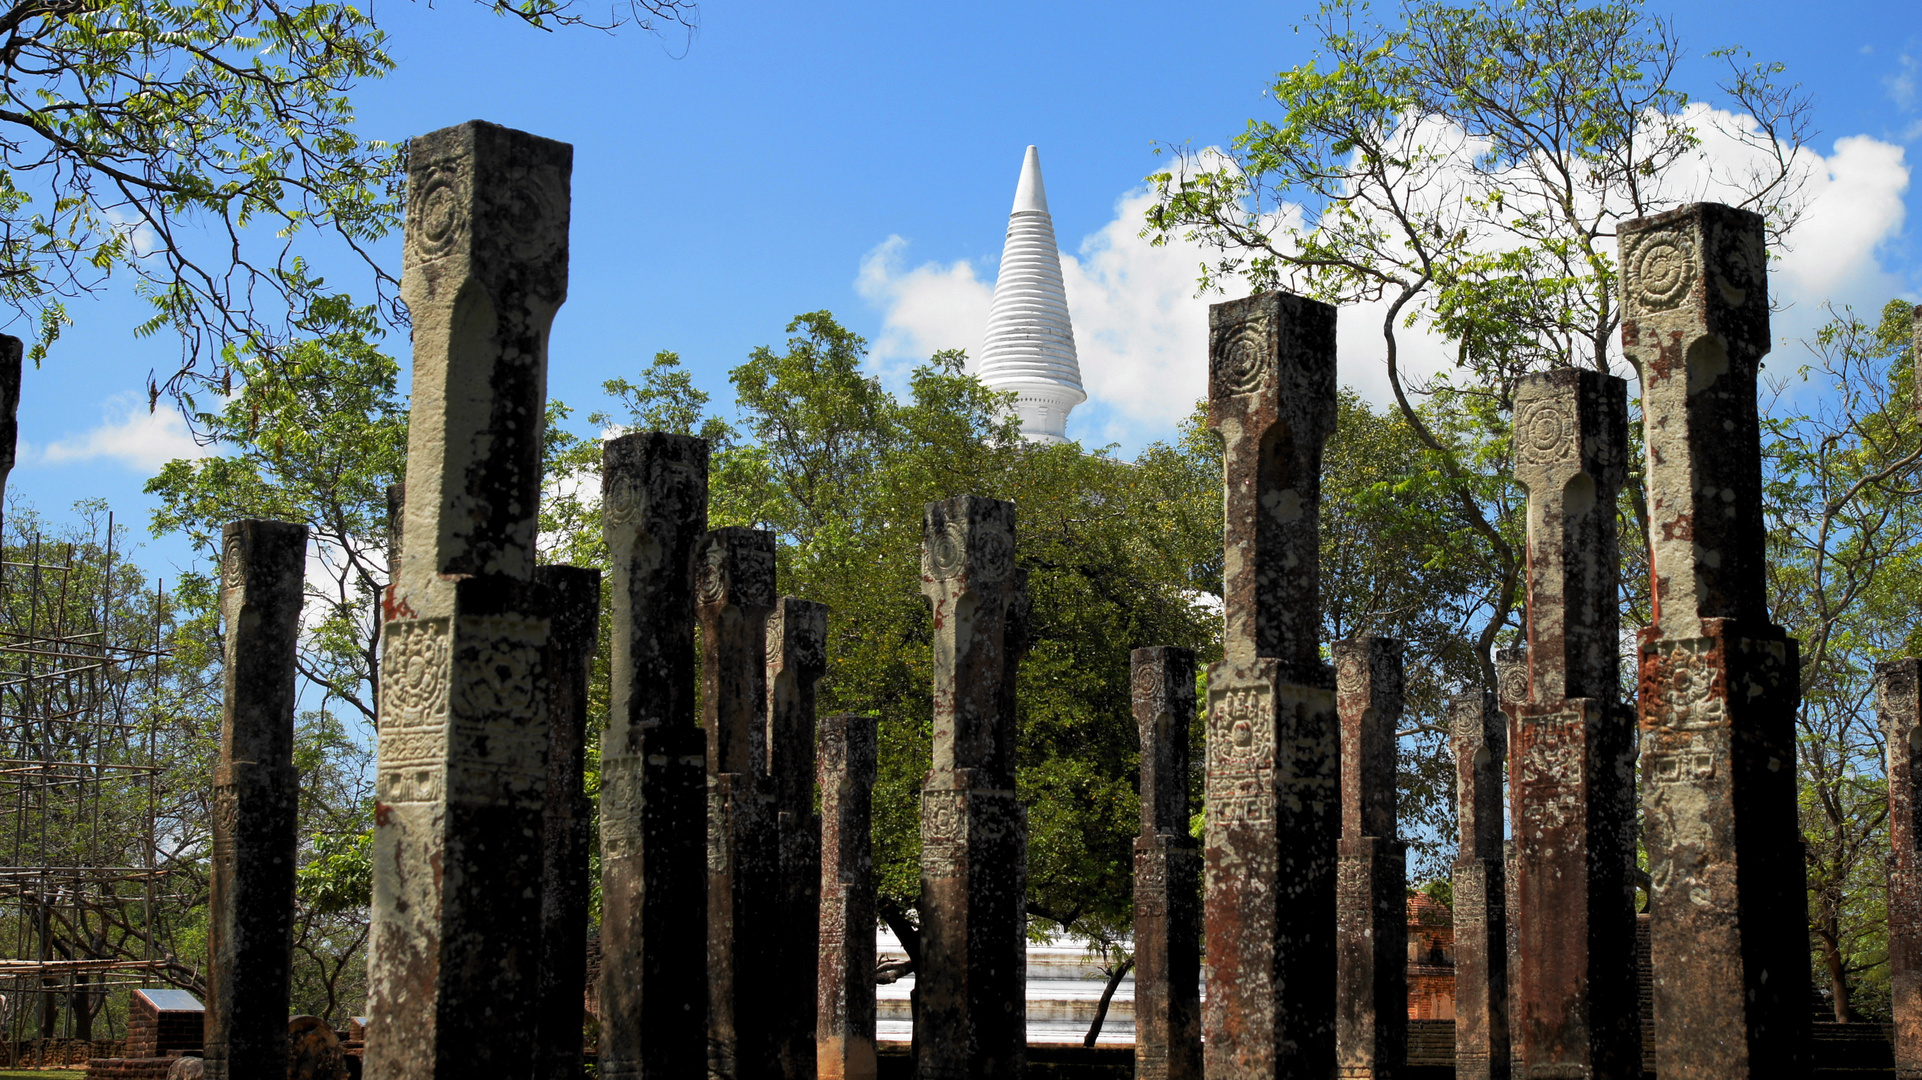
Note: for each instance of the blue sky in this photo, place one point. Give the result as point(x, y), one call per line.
point(862, 157)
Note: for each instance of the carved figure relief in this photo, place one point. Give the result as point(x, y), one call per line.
point(416, 667)
point(1688, 687)
point(1241, 746)
point(944, 823)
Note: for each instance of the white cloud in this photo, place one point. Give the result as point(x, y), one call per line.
point(1141, 332)
point(129, 433)
point(1901, 84)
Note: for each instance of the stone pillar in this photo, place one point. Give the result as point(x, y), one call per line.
point(1371, 990)
point(844, 1021)
point(653, 764)
point(462, 777)
point(1167, 916)
point(256, 802)
point(10, 356)
point(734, 594)
point(796, 658)
point(1898, 705)
point(1511, 692)
point(1578, 1013)
point(1719, 682)
point(971, 980)
point(1479, 740)
point(574, 598)
point(1273, 806)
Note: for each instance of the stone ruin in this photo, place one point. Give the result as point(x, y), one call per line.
point(481, 844)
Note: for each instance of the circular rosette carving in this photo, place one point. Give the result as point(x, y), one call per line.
point(499, 678)
point(233, 572)
point(528, 211)
point(1661, 267)
point(1241, 365)
point(621, 505)
point(944, 555)
point(1743, 268)
point(776, 637)
point(1545, 432)
point(1351, 676)
point(436, 211)
point(1512, 685)
point(992, 554)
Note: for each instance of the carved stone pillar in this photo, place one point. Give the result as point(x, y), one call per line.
point(1273, 808)
point(971, 980)
point(653, 764)
point(844, 1024)
point(1719, 682)
point(1578, 1008)
point(574, 599)
point(1898, 702)
point(734, 589)
point(1371, 991)
point(796, 659)
point(1167, 878)
point(1482, 994)
point(456, 914)
point(250, 905)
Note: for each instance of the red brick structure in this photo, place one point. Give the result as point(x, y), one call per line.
point(161, 1025)
point(1431, 960)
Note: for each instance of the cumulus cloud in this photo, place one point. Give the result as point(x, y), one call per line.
point(128, 433)
point(1141, 330)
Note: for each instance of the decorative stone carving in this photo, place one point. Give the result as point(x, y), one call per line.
point(844, 1020)
point(256, 801)
point(1167, 872)
point(972, 1023)
point(1718, 681)
point(1273, 808)
point(654, 823)
point(1371, 928)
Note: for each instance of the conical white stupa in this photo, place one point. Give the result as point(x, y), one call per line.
point(1030, 345)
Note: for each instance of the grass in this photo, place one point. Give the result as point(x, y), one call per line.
point(40, 1074)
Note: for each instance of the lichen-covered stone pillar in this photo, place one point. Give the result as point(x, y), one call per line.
point(250, 904)
point(973, 1016)
point(574, 601)
point(1478, 736)
point(462, 776)
point(1511, 692)
point(734, 594)
point(1719, 682)
point(653, 764)
point(844, 1021)
point(1167, 916)
point(1273, 804)
point(1371, 991)
point(1578, 1011)
point(796, 659)
point(1898, 705)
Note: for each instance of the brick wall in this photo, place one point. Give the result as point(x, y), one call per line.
point(150, 1068)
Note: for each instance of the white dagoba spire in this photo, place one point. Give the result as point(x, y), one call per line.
point(1030, 345)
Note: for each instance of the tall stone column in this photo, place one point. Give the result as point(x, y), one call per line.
point(1273, 806)
point(844, 1021)
point(1478, 736)
point(1719, 682)
point(1898, 705)
point(462, 777)
point(256, 802)
point(1371, 990)
point(10, 356)
point(734, 593)
point(796, 659)
point(574, 599)
point(653, 764)
point(1511, 693)
point(1167, 916)
point(1578, 1012)
point(973, 1016)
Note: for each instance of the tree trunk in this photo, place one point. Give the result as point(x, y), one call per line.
point(1107, 995)
point(1830, 936)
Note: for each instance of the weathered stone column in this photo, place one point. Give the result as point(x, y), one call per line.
point(844, 1022)
point(10, 356)
point(973, 1018)
point(1511, 692)
point(1273, 806)
point(653, 764)
point(1167, 872)
point(1719, 684)
point(1479, 740)
point(574, 598)
point(734, 593)
point(462, 777)
point(1578, 1012)
point(796, 659)
point(250, 905)
point(1898, 705)
point(1371, 989)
